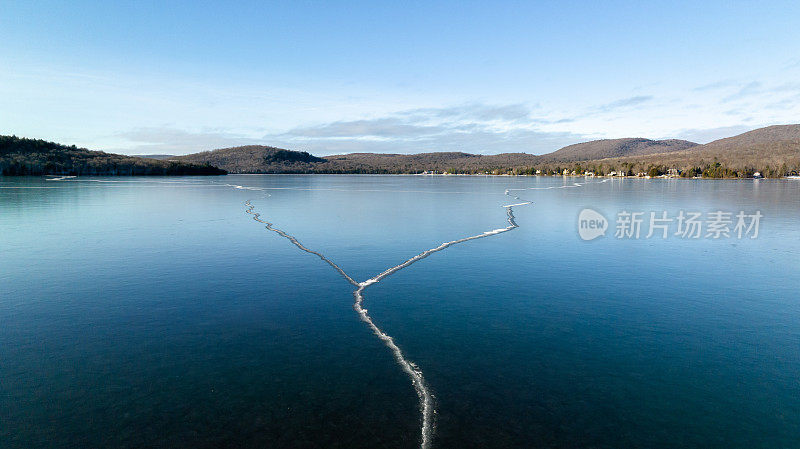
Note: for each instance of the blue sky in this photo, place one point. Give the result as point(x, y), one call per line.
point(335, 77)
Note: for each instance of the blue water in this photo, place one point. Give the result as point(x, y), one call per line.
point(155, 312)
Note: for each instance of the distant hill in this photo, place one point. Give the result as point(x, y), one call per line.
point(772, 145)
point(601, 149)
point(454, 162)
point(757, 137)
point(254, 159)
point(160, 157)
point(263, 159)
point(774, 151)
point(21, 156)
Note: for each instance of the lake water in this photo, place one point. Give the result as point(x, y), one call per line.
point(156, 312)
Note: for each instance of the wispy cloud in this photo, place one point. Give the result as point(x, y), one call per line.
point(751, 88)
point(758, 89)
point(785, 103)
point(716, 85)
point(625, 103)
point(474, 111)
point(470, 127)
point(477, 141)
point(711, 134)
point(473, 127)
point(388, 127)
point(167, 140)
point(792, 64)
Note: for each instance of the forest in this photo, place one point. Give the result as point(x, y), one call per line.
point(21, 156)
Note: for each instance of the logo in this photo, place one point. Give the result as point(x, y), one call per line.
point(591, 224)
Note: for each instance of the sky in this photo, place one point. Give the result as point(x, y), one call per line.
point(336, 77)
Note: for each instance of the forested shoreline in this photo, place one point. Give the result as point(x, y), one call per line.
point(21, 156)
point(771, 152)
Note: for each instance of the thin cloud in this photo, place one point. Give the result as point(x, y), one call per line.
point(792, 64)
point(711, 134)
point(625, 103)
point(475, 128)
point(167, 140)
point(714, 86)
point(474, 111)
point(787, 103)
point(477, 141)
point(751, 88)
point(755, 88)
point(389, 127)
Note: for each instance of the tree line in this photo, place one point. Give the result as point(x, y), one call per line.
point(21, 156)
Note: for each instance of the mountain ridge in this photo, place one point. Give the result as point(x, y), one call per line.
point(772, 150)
point(605, 148)
point(767, 149)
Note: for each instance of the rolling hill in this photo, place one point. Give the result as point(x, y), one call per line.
point(774, 150)
point(253, 159)
point(262, 159)
point(20, 156)
point(601, 149)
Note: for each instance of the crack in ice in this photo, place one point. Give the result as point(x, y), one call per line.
point(414, 372)
point(426, 398)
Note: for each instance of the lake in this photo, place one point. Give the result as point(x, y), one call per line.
point(156, 312)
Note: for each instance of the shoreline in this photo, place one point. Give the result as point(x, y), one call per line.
point(444, 175)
